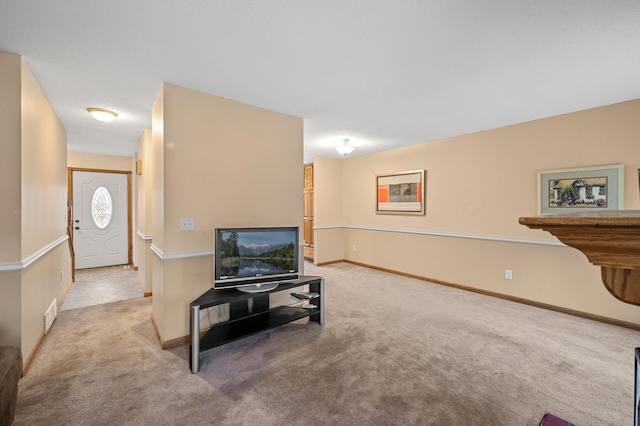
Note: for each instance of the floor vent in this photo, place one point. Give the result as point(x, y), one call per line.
point(50, 316)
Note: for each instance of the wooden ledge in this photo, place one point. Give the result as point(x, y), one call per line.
point(610, 239)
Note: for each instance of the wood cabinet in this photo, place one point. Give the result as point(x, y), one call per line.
point(308, 211)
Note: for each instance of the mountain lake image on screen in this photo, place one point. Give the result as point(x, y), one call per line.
point(248, 256)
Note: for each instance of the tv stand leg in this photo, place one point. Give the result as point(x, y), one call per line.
point(194, 325)
point(318, 287)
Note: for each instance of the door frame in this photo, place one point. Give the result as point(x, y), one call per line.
point(70, 171)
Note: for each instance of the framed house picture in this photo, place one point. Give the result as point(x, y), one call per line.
point(581, 189)
point(401, 193)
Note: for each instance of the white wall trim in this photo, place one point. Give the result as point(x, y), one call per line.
point(203, 253)
point(157, 251)
point(180, 255)
point(11, 267)
point(143, 236)
point(445, 234)
point(25, 263)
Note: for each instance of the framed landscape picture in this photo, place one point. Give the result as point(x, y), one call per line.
point(581, 190)
point(400, 193)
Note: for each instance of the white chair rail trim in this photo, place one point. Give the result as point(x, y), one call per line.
point(445, 234)
point(185, 255)
point(180, 255)
point(25, 263)
point(143, 236)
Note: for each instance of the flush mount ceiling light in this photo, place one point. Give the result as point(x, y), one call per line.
point(102, 114)
point(345, 148)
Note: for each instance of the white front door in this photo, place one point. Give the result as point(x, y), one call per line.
point(100, 219)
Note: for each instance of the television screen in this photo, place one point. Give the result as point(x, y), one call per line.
point(248, 256)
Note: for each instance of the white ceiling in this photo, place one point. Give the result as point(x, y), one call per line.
point(383, 73)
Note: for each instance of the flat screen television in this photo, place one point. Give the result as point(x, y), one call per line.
point(255, 259)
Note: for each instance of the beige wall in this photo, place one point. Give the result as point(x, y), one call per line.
point(44, 175)
point(328, 210)
point(44, 208)
point(157, 210)
point(10, 175)
point(134, 210)
point(35, 264)
point(224, 164)
point(10, 308)
point(143, 234)
point(10, 165)
point(41, 283)
point(83, 160)
point(157, 169)
point(478, 185)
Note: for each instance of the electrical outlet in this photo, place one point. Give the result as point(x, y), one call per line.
point(508, 274)
point(187, 224)
point(353, 247)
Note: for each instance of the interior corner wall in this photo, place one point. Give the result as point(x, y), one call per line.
point(43, 210)
point(225, 164)
point(477, 187)
point(328, 210)
point(143, 230)
point(157, 212)
point(10, 176)
point(133, 181)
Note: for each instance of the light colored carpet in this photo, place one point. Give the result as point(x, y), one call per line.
point(96, 286)
point(393, 351)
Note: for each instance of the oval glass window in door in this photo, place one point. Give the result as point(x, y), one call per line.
point(101, 207)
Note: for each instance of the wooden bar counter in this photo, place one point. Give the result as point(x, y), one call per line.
point(610, 239)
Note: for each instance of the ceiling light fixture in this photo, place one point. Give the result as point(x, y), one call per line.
point(345, 148)
point(102, 114)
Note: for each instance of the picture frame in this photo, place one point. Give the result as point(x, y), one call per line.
point(582, 189)
point(401, 193)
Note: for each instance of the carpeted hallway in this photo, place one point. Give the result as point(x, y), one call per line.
point(96, 286)
point(393, 351)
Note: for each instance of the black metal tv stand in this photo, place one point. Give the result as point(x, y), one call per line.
point(244, 322)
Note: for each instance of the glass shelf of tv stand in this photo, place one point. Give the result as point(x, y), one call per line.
point(243, 323)
point(287, 303)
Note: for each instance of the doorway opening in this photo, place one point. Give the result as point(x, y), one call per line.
point(99, 222)
point(99, 225)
